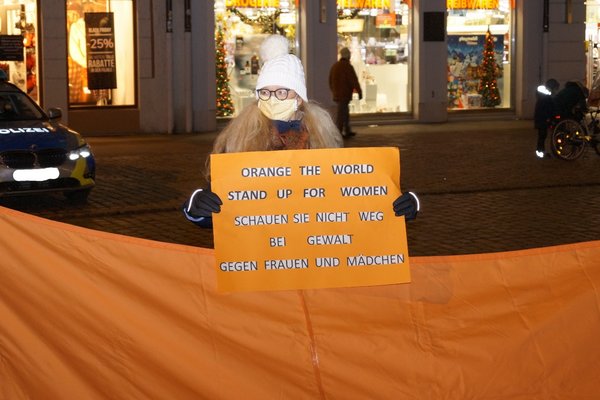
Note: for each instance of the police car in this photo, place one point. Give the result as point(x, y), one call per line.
point(37, 153)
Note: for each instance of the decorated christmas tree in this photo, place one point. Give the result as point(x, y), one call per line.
point(488, 74)
point(225, 106)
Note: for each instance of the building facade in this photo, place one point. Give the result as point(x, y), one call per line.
point(183, 66)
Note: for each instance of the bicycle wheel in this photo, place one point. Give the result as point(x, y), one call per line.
point(568, 139)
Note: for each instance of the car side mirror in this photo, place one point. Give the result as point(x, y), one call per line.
point(54, 113)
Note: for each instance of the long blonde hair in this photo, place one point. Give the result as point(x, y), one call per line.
point(251, 131)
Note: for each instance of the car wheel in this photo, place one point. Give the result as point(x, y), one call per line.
point(78, 196)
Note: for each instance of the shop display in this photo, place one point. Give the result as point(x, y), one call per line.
point(244, 26)
point(378, 37)
point(473, 63)
point(225, 106)
point(100, 52)
point(18, 51)
point(592, 34)
point(479, 61)
point(490, 70)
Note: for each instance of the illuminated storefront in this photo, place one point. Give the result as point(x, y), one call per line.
point(592, 37)
point(240, 27)
point(18, 48)
point(378, 34)
point(121, 66)
point(101, 52)
point(479, 54)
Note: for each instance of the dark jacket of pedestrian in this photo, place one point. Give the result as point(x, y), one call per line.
point(571, 101)
point(343, 81)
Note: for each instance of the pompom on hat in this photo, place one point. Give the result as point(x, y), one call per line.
point(280, 68)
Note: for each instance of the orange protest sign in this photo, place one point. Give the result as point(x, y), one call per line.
point(302, 219)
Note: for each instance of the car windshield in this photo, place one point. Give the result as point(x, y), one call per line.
point(15, 106)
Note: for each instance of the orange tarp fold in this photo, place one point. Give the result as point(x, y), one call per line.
point(91, 315)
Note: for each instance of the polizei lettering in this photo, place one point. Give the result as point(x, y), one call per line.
point(365, 261)
point(354, 191)
point(352, 169)
point(23, 130)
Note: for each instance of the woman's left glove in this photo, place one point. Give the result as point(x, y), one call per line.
point(407, 205)
point(203, 203)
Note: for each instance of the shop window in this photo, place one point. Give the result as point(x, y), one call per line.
point(377, 33)
point(479, 48)
point(592, 36)
point(101, 52)
point(18, 44)
point(241, 26)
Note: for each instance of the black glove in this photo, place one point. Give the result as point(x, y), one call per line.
point(203, 203)
point(408, 205)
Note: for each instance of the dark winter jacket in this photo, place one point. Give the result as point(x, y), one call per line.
point(343, 81)
point(545, 110)
point(571, 100)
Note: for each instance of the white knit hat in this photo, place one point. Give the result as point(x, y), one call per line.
point(280, 68)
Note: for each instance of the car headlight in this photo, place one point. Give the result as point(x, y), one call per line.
point(83, 151)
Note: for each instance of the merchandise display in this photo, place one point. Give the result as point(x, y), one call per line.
point(479, 61)
point(18, 45)
point(378, 39)
point(243, 29)
point(592, 34)
point(100, 44)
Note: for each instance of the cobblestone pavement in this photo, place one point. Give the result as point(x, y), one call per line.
point(482, 188)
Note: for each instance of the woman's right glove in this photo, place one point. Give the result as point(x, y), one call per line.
point(407, 205)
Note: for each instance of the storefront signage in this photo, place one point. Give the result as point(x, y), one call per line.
point(252, 3)
point(363, 3)
point(300, 219)
point(350, 25)
point(385, 20)
point(472, 4)
point(100, 46)
point(11, 47)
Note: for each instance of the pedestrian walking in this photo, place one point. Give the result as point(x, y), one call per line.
point(282, 118)
point(343, 82)
point(545, 111)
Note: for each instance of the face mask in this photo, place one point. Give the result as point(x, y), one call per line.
point(281, 110)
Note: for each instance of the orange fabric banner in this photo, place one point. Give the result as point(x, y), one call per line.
point(92, 315)
point(307, 219)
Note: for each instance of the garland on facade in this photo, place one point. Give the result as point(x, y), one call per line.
point(266, 22)
point(489, 71)
point(225, 106)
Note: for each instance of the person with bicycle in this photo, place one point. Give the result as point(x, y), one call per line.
point(578, 126)
point(571, 101)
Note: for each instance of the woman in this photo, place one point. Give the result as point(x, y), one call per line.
point(281, 119)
